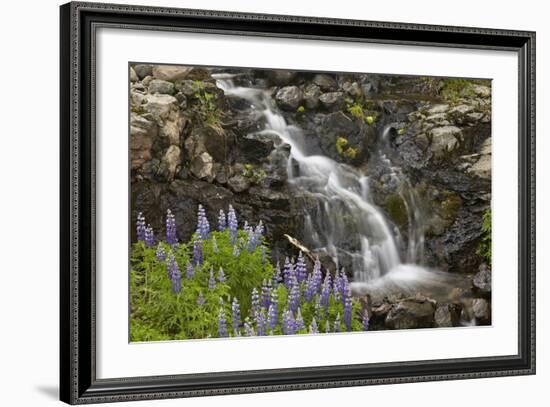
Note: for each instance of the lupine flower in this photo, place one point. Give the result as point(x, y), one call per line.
point(288, 325)
point(318, 308)
point(171, 237)
point(316, 277)
point(149, 236)
point(265, 298)
point(232, 224)
point(221, 275)
point(200, 299)
point(325, 292)
point(337, 327)
point(215, 248)
point(203, 227)
point(222, 324)
point(222, 221)
point(346, 288)
point(246, 227)
point(261, 322)
point(197, 251)
point(366, 321)
point(140, 227)
point(310, 289)
point(235, 315)
point(255, 307)
point(301, 271)
point(288, 273)
point(174, 274)
point(299, 321)
point(236, 250)
point(161, 254)
point(189, 270)
point(337, 286)
point(277, 278)
point(294, 295)
point(272, 317)
point(313, 329)
point(211, 280)
point(347, 312)
point(248, 328)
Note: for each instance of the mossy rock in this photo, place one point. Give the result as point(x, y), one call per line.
point(450, 206)
point(396, 210)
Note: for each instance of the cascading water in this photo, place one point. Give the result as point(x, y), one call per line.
point(345, 223)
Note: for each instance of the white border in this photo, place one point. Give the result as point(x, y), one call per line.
point(117, 358)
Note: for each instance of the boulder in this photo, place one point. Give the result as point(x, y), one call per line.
point(445, 140)
point(280, 77)
point(133, 75)
point(332, 101)
point(312, 93)
point(170, 72)
point(417, 312)
point(238, 183)
point(170, 162)
point(207, 139)
point(326, 82)
point(202, 166)
point(353, 89)
point(161, 106)
point(143, 70)
point(161, 86)
point(255, 147)
point(481, 310)
point(289, 97)
point(447, 315)
point(142, 135)
point(481, 283)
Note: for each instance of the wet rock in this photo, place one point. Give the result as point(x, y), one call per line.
point(332, 101)
point(289, 97)
point(280, 77)
point(238, 183)
point(170, 72)
point(143, 71)
point(325, 82)
point(410, 313)
point(481, 283)
point(481, 311)
point(202, 166)
point(447, 315)
point(187, 87)
point(311, 96)
point(256, 147)
point(161, 86)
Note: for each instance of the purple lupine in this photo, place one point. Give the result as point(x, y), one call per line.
point(310, 289)
point(200, 299)
point(325, 292)
point(171, 237)
point(248, 328)
point(140, 227)
point(346, 288)
point(288, 324)
point(366, 321)
point(299, 321)
point(272, 317)
point(255, 305)
point(294, 295)
point(221, 275)
point(337, 290)
point(288, 273)
point(215, 248)
point(255, 236)
point(197, 251)
point(313, 328)
point(318, 308)
point(301, 271)
point(235, 315)
point(174, 274)
point(347, 312)
point(317, 276)
point(203, 227)
point(265, 297)
point(222, 221)
point(337, 325)
point(211, 280)
point(161, 254)
point(189, 270)
point(222, 324)
point(277, 278)
point(149, 236)
point(261, 322)
point(236, 250)
point(232, 224)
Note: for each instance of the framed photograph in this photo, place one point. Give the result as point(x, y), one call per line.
point(255, 203)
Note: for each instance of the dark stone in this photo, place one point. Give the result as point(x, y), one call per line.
point(326, 82)
point(481, 283)
point(481, 310)
point(410, 313)
point(280, 77)
point(332, 101)
point(289, 98)
point(256, 147)
point(447, 315)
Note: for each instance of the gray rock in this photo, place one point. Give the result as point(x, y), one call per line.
point(207, 139)
point(170, 161)
point(311, 96)
point(481, 310)
point(133, 75)
point(482, 91)
point(255, 147)
point(161, 106)
point(332, 101)
point(481, 283)
point(161, 86)
point(447, 315)
point(239, 183)
point(143, 70)
point(353, 89)
point(186, 87)
point(410, 313)
point(481, 168)
point(442, 108)
point(142, 134)
point(289, 97)
point(325, 82)
point(202, 166)
point(280, 77)
point(170, 72)
point(445, 140)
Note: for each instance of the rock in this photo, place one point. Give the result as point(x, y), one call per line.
point(481, 283)
point(161, 86)
point(410, 313)
point(481, 91)
point(239, 183)
point(143, 70)
point(311, 96)
point(332, 101)
point(447, 315)
point(170, 161)
point(133, 75)
point(353, 89)
point(325, 82)
point(481, 168)
point(202, 166)
point(255, 147)
point(172, 130)
point(280, 77)
point(170, 72)
point(436, 109)
point(445, 140)
point(187, 87)
point(161, 106)
point(481, 310)
point(207, 139)
point(142, 134)
point(289, 97)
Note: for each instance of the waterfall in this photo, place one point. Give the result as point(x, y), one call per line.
point(345, 222)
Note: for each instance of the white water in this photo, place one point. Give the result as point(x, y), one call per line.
point(345, 221)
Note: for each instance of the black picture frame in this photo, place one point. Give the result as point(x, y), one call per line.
point(78, 382)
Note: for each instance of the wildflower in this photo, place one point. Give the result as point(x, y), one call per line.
point(325, 292)
point(189, 270)
point(215, 248)
point(203, 227)
point(337, 327)
point(366, 321)
point(277, 275)
point(310, 289)
point(197, 251)
point(200, 299)
point(337, 286)
point(222, 324)
point(236, 251)
point(265, 298)
point(140, 227)
point(288, 273)
point(248, 329)
point(261, 322)
point(347, 312)
point(222, 221)
point(316, 277)
point(211, 280)
point(299, 321)
point(318, 308)
point(288, 325)
point(255, 307)
point(161, 254)
point(301, 271)
point(221, 276)
point(149, 236)
point(272, 317)
point(174, 274)
point(313, 329)
point(294, 295)
point(171, 237)
point(346, 288)
point(232, 224)
point(235, 315)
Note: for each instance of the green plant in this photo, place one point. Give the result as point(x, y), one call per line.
point(484, 248)
point(301, 109)
point(256, 176)
point(453, 89)
point(345, 150)
point(206, 108)
point(361, 109)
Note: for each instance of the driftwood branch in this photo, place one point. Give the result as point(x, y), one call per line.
point(296, 243)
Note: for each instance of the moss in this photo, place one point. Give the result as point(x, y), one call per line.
point(344, 150)
point(301, 109)
point(256, 176)
point(485, 246)
point(370, 120)
point(396, 209)
point(450, 205)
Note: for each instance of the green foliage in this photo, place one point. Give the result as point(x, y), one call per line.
point(301, 109)
point(256, 176)
point(453, 89)
point(206, 109)
point(484, 248)
point(361, 109)
point(343, 149)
